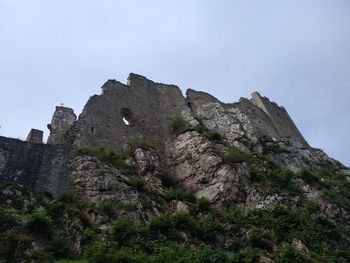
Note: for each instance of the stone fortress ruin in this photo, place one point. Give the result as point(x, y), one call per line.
point(141, 109)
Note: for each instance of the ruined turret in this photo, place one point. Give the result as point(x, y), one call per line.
point(62, 120)
point(35, 136)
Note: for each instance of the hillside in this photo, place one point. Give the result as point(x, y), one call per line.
point(145, 174)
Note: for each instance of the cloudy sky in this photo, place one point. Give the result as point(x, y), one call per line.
point(296, 52)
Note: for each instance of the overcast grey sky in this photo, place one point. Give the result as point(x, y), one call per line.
point(296, 52)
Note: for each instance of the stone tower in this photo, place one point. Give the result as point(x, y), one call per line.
point(62, 120)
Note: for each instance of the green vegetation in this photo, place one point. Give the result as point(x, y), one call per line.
point(179, 125)
point(289, 254)
point(117, 159)
point(178, 194)
point(202, 204)
point(235, 155)
point(179, 237)
point(138, 183)
point(39, 222)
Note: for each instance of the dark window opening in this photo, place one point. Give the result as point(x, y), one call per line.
point(92, 129)
point(189, 104)
point(127, 117)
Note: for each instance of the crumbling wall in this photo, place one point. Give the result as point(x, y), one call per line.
point(283, 123)
point(35, 136)
point(62, 120)
point(148, 107)
point(37, 166)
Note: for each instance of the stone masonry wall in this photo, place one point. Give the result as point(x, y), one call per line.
point(280, 118)
point(62, 120)
point(148, 107)
point(37, 166)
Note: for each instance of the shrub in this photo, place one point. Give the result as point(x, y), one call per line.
point(203, 204)
point(40, 222)
point(106, 207)
point(234, 215)
point(59, 247)
point(207, 254)
point(88, 235)
point(178, 194)
point(235, 155)
point(209, 227)
point(169, 225)
point(122, 231)
point(247, 255)
point(287, 143)
point(289, 254)
point(256, 176)
point(179, 125)
point(97, 253)
point(214, 136)
point(117, 159)
point(138, 143)
point(308, 177)
point(257, 238)
point(138, 183)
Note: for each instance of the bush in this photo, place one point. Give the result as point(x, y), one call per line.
point(117, 159)
point(203, 204)
point(179, 125)
point(209, 227)
point(214, 136)
point(234, 215)
point(309, 177)
point(138, 143)
point(289, 254)
point(88, 235)
point(256, 176)
point(235, 155)
point(169, 225)
point(123, 231)
point(106, 207)
point(39, 222)
point(247, 255)
point(138, 183)
point(97, 253)
point(178, 194)
point(207, 254)
point(59, 247)
point(257, 238)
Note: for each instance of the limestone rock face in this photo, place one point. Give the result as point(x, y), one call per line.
point(97, 181)
point(201, 171)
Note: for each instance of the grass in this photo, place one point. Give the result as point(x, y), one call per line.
point(235, 155)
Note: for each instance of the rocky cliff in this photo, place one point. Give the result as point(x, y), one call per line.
point(145, 173)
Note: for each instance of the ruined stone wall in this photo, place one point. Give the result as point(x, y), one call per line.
point(279, 117)
point(148, 107)
point(37, 166)
point(62, 120)
point(35, 136)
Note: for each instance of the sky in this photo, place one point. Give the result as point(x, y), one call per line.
point(296, 52)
